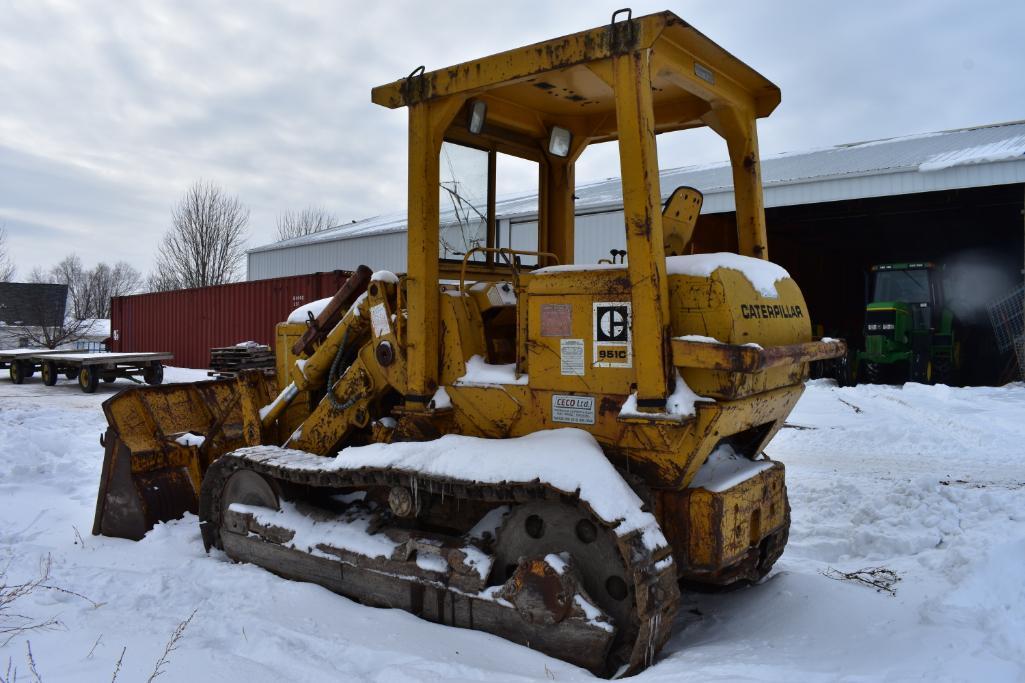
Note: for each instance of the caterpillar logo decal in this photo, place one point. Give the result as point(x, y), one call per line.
point(758, 311)
point(612, 335)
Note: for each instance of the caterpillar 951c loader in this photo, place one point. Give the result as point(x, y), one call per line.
point(507, 441)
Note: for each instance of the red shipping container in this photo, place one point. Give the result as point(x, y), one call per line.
point(190, 322)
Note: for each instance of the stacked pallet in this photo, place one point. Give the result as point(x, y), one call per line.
point(228, 361)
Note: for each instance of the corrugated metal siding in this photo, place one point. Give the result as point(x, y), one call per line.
point(190, 322)
point(596, 233)
point(377, 252)
point(972, 157)
point(879, 185)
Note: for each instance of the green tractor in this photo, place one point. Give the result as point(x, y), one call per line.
point(909, 332)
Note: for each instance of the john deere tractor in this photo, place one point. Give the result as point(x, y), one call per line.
point(909, 332)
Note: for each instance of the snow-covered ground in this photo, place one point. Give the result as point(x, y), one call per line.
point(928, 482)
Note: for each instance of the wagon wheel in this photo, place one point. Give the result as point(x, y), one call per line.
point(49, 373)
point(88, 378)
point(17, 371)
point(70, 373)
point(154, 373)
point(109, 379)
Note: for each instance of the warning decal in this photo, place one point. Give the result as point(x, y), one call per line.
point(612, 335)
point(379, 320)
point(571, 353)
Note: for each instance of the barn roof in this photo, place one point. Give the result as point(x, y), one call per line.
point(966, 157)
point(30, 304)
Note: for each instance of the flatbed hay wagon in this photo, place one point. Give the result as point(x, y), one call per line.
point(22, 363)
point(89, 368)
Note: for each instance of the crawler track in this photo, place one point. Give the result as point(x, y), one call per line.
point(650, 575)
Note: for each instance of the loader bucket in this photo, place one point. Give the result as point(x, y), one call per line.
point(157, 447)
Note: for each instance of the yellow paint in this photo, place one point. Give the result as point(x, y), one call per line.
point(627, 82)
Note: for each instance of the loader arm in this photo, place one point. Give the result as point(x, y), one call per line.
point(359, 362)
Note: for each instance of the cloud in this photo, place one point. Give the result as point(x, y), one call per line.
point(112, 109)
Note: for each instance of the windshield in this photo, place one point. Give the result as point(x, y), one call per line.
point(463, 201)
point(470, 180)
point(911, 286)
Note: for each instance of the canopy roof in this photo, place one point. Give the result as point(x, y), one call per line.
point(568, 80)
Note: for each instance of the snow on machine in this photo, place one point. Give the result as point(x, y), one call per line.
point(502, 439)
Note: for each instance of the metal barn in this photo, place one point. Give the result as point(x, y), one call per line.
point(952, 197)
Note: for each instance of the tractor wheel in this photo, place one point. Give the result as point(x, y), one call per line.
point(154, 373)
point(941, 371)
point(842, 370)
point(49, 373)
point(872, 373)
point(919, 369)
point(88, 378)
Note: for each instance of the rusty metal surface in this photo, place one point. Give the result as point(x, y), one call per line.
point(139, 498)
point(723, 537)
point(147, 475)
point(663, 33)
point(333, 312)
point(652, 582)
point(189, 322)
point(748, 359)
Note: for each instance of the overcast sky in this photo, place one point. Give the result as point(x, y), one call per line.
point(110, 109)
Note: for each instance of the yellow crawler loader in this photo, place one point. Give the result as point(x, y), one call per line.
point(501, 439)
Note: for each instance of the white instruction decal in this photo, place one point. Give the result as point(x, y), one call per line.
point(573, 409)
point(571, 352)
point(379, 320)
point(612, 335)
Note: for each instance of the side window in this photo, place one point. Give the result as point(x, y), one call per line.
point(517, 181)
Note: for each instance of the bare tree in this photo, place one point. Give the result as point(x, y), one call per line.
point(206, 243)
point(53, 335)
point(305, 222)
point(38, 275)
point(70, 272)
point(159, 282)
point(104, 282)
point(90, 291)
point(6, 265)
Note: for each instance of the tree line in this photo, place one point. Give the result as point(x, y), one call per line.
point(90, 290)
point(205, 245)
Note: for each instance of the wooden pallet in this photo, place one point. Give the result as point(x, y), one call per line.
point(230, 360)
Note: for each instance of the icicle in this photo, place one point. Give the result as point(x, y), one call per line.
point(652, 647)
